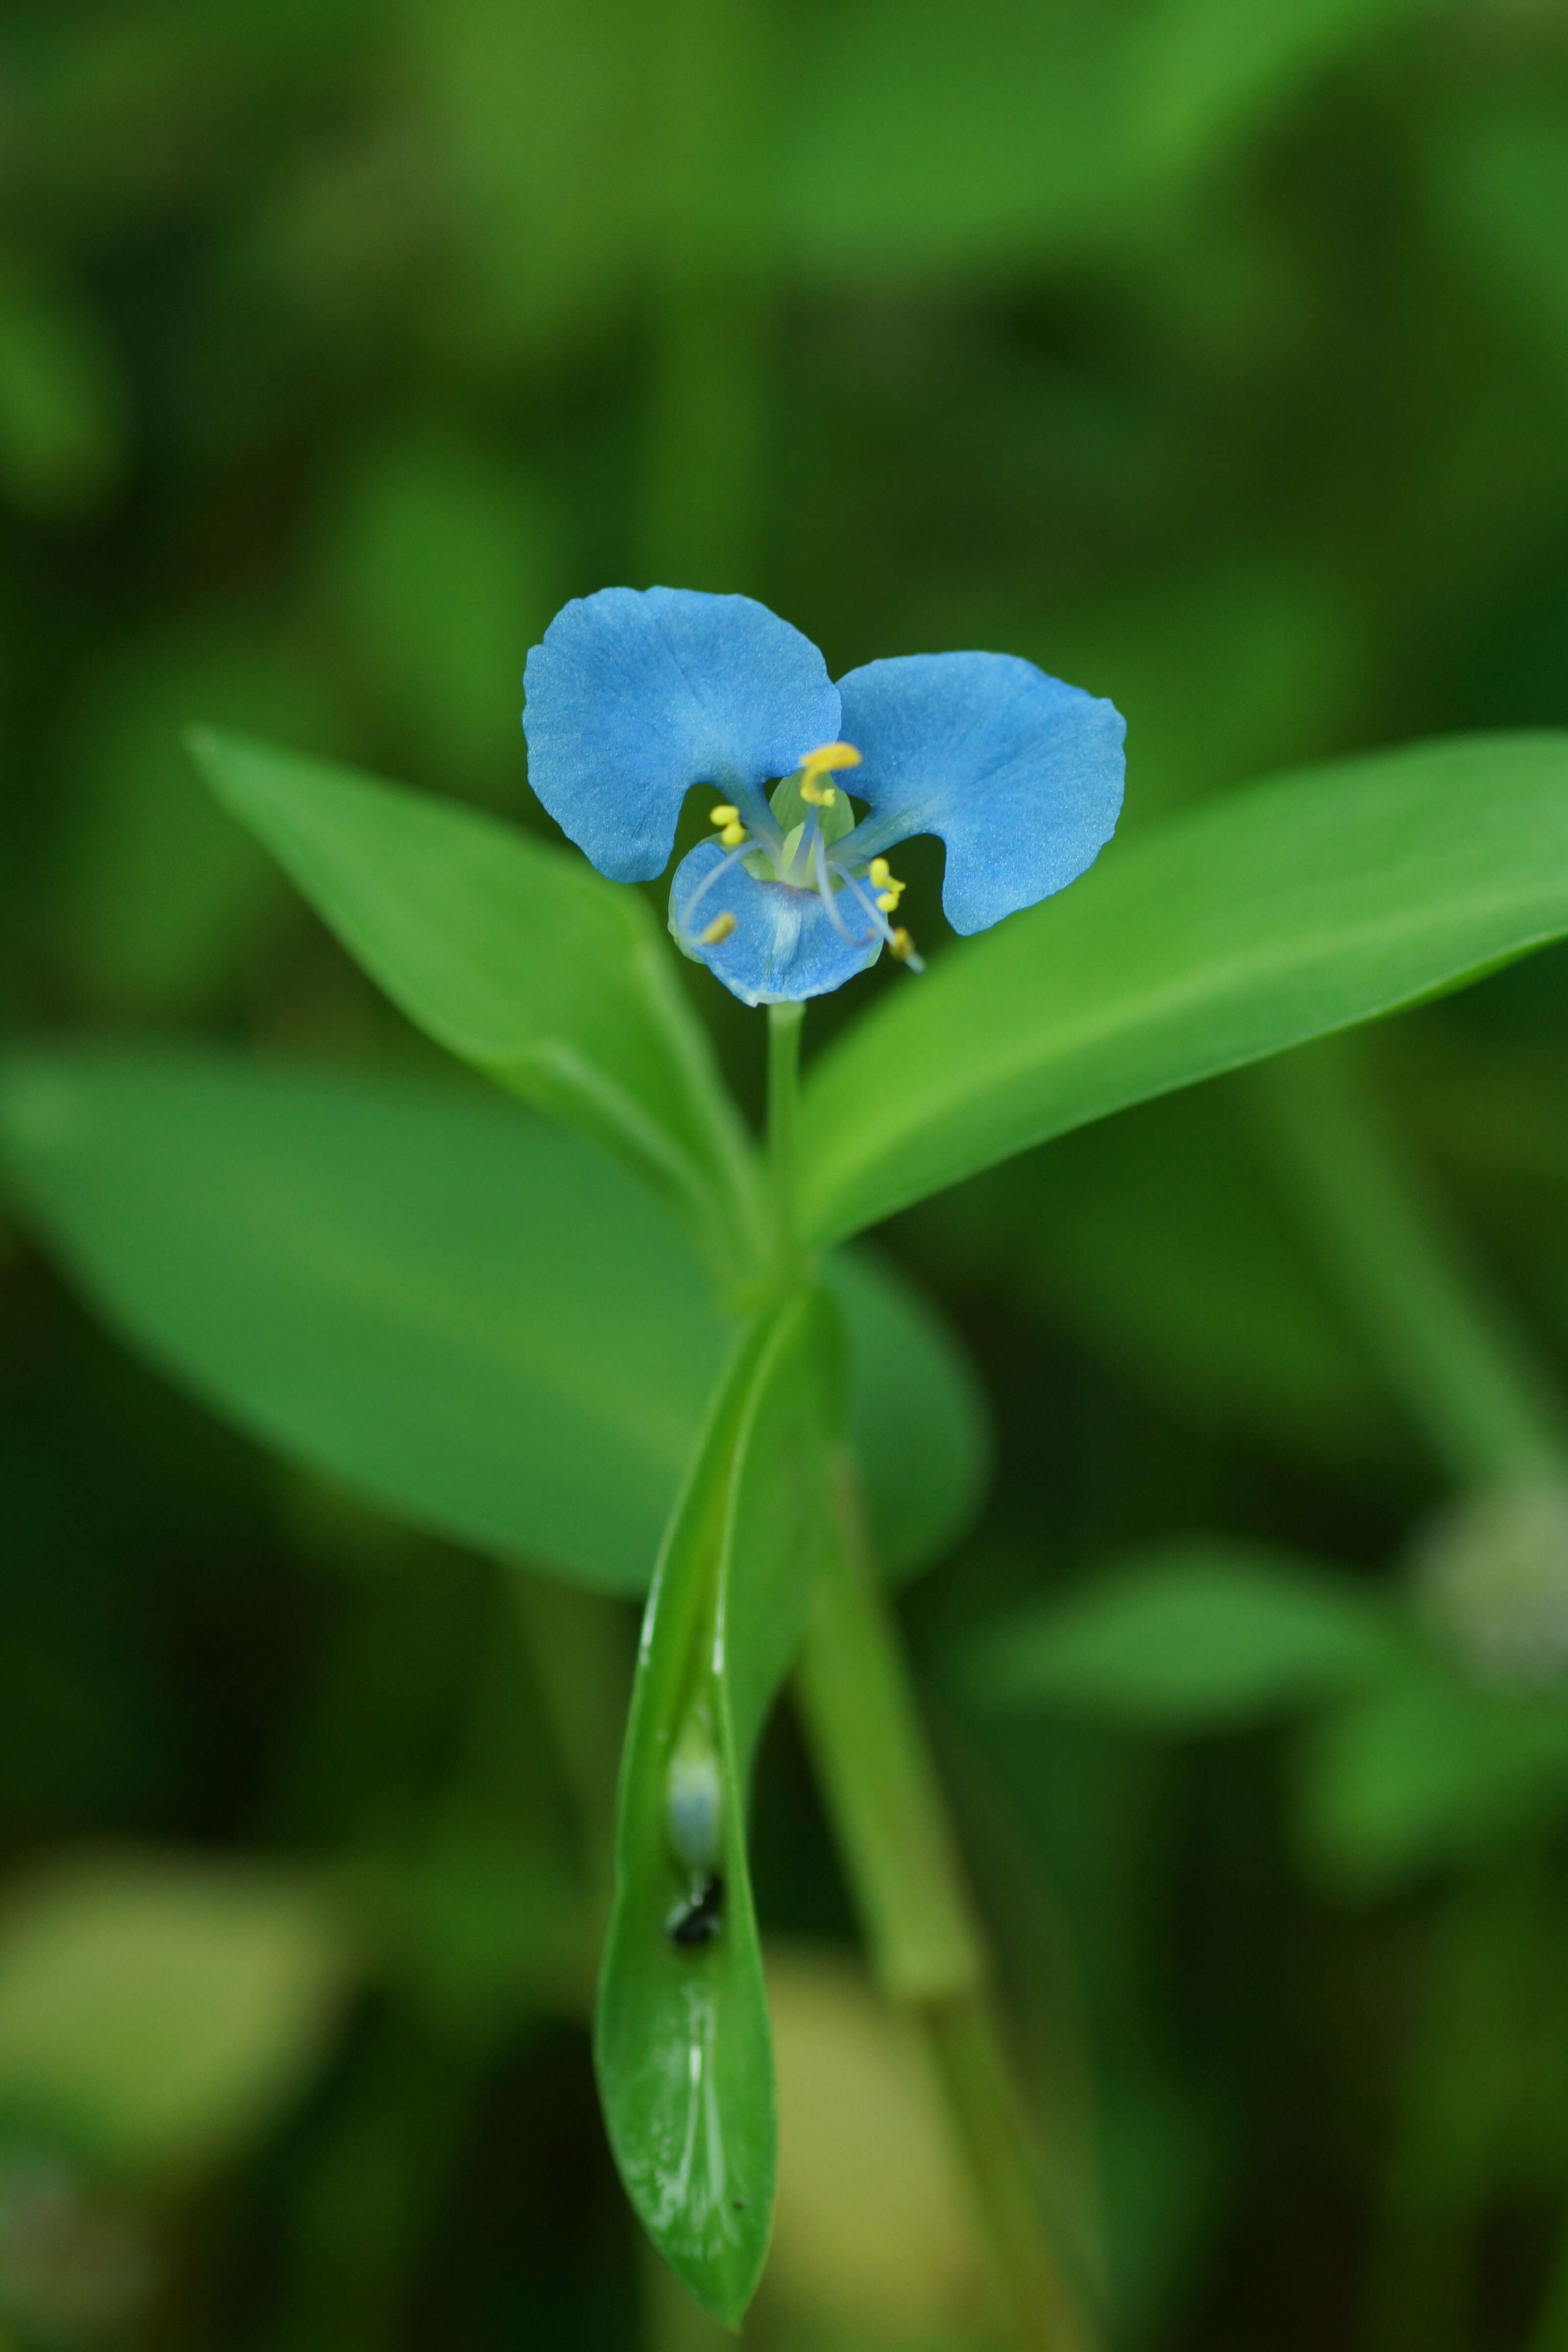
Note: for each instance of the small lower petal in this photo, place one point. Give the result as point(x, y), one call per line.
point(782, 945)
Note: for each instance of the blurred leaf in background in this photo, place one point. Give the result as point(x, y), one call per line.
point(155, 905)
point(435, 574)
point(155, 2011)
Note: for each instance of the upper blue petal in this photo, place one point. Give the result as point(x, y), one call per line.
point(785, 945)
point(634, 697)
point(1020, 775)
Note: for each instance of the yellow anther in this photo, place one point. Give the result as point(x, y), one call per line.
point(887, 883)
point(901, 945)
point(822, 762)
point(719, 928)
point(723, 815)
point(733, 835)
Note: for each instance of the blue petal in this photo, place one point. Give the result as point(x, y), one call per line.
point(634, 697)
point(785, 945)
point(1020, 775)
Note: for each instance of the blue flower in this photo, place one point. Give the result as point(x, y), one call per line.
point(635, 697)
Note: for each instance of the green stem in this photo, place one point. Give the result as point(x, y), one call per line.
point(784, 1025)
point(880, 1782)
point(1468, 1376)
point(882, 1790)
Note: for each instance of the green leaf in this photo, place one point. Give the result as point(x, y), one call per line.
point(481, 1322)
point(1428, 1774)
point(1279, 914)
point(681, 2040)
point(1194, 1636)
point(516, 956)
point(157, 2010)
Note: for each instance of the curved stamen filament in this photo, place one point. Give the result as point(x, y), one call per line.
point(707, 884)
point(828, 895)
point(898, 939)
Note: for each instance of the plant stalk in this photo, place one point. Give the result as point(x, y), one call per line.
point(880, 1786)
point(784, 1025)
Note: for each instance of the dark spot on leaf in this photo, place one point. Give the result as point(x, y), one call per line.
point(699, 1919)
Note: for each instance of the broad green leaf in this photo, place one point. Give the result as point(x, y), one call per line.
point(514, 955)
point(154, 2010)
point(1427, 1774)
point(681, 2040)
point(1279, 914)
point(480, 1321)
point(1194, 1636)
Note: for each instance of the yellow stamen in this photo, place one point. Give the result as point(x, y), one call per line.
point(719, 928)
point(901, 945)
point(723, 815)
point(732, 835)
point(822, 762)
point(886, 882)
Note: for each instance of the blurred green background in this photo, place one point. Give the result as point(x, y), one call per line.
point(1212, 353)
